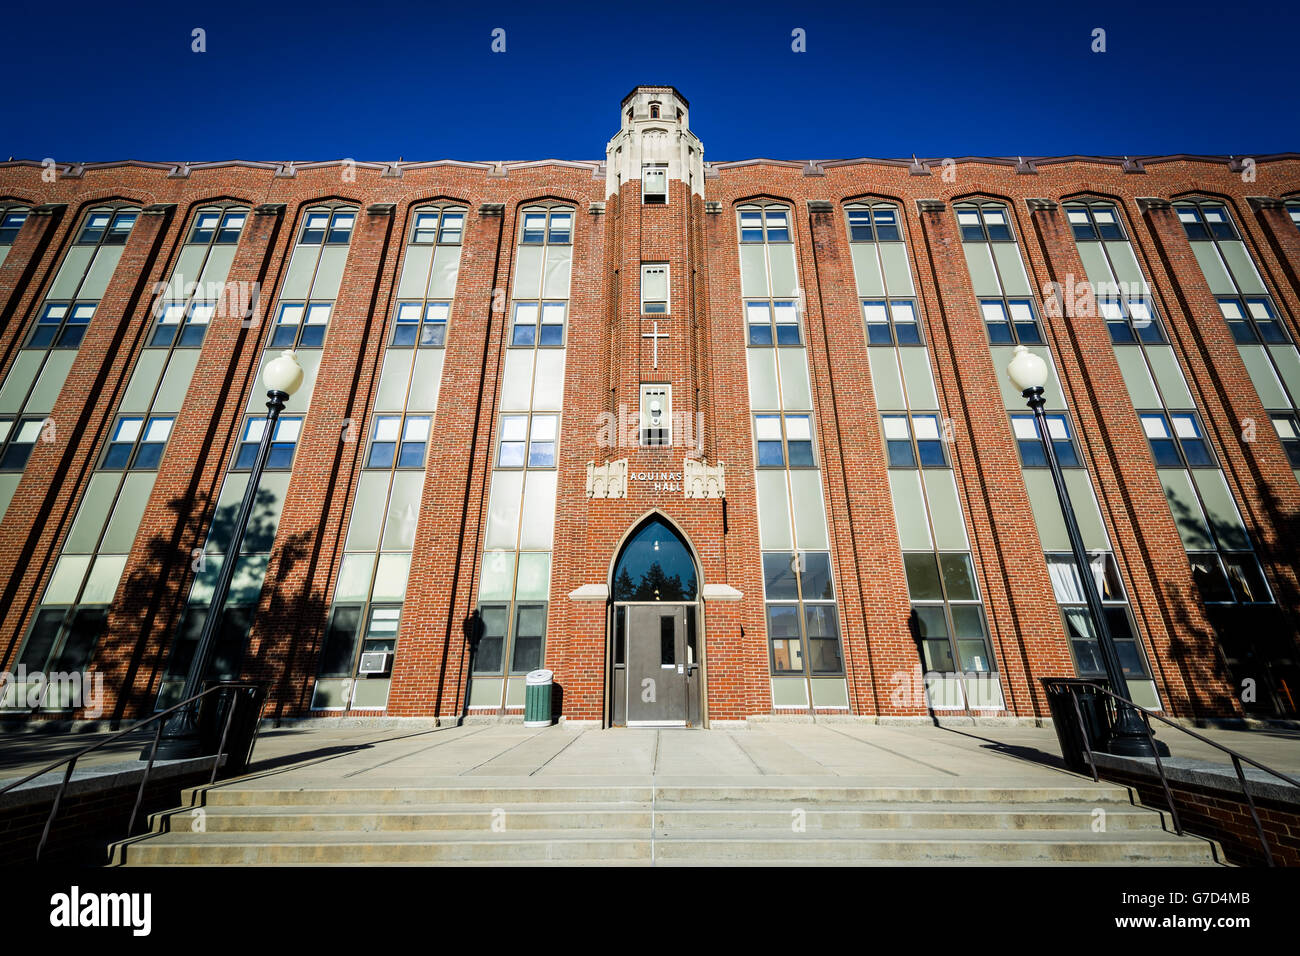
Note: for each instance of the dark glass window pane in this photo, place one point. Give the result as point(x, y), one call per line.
point(922, 577)
point(999, 333)
point(41, 640)
point(938, 657)
point(667, 640)
point(1032, 454)
point(1242, 333)
point(117, 455)
point(1165, 452)
point(931, 454)
point(149, 455)
point(1065, 454)
point(340, 642)
point(900, 454)
point(787, 335)
point(878, 333)
point(1196, 451)
point(552, 335)
point(801, 455)
point(434, 335)
point(382, 454)
point(1120, 333)
point(1247, 579)
point(909, 333)
point(958, 577)
point(769, 454)
point(404, 333)
point(815, 575)
point(779, 583)
point(413, 455)
point(760, 334)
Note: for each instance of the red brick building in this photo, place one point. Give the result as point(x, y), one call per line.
point(707, 440)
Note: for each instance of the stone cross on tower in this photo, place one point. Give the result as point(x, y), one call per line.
point(654, 337)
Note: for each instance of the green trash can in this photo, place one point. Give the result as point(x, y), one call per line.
point(537, 699)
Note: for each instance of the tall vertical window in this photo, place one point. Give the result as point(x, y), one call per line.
point(1120, 292)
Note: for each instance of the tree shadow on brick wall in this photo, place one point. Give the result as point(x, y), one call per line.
point(1250, 639)
point(155, 627)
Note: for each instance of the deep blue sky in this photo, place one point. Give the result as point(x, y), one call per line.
point(375, 79)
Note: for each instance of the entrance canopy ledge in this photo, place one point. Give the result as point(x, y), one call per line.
point(590, 592)
point(721, 592)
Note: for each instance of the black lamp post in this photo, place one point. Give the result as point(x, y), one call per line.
point(1128, 737)
point(180, 737)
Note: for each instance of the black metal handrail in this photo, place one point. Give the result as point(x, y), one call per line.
point(153, 751)
point(1072, 685)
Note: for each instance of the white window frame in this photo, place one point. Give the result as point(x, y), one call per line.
point(667, 300)
point(648, 391)
point(646, 192)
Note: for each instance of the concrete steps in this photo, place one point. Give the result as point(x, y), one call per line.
point(764, 824)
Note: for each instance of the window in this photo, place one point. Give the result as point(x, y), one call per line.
point(553, 225)
point(422, 324)
point(656, 414)
point(654, 110)
point(441, 226)
point(984, 223)
point(538, 323)
point(764, 223)
point(1229, 577)
point(1129, 319)
point(191, 322)
point(1079, 627)
point(922, 442)
point(1292, 208)
point(331, 227)
point(17, 437)
point(654, 288)
point(784, 441)
point(1094, 222)
point(947, 616)
point(61, 325)
point(1251, 319)
point(773, 323)
point(137, 443)
point(221, 227)
point(106, 226)
point(873, 224)
point(528, 445)
point(11, 220)
point(301, 325)
point(801, 613)
point(1179, 446)
point(283, 442)
point(399, 442)
point(1288, 430)
point(1206, 221)
point(1011, 321)
point(891, 322)
point(1028, 439)
point(654, 184)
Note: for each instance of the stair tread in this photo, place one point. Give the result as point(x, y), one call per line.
point(761, 835)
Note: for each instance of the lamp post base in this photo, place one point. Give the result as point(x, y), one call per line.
point(180, 738)
point(1129, 744)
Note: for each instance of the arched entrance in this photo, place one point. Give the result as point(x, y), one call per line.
point(655, 627)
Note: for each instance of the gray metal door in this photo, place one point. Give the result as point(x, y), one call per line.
point(658, 670)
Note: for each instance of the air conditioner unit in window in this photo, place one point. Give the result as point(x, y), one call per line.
point(375, 662)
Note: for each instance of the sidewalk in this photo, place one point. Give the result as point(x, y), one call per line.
point(886, 755)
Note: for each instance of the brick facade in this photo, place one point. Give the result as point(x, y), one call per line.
point(704, 358)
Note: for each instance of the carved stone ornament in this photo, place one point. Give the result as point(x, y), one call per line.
point(704, 481)
point(608, 480)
